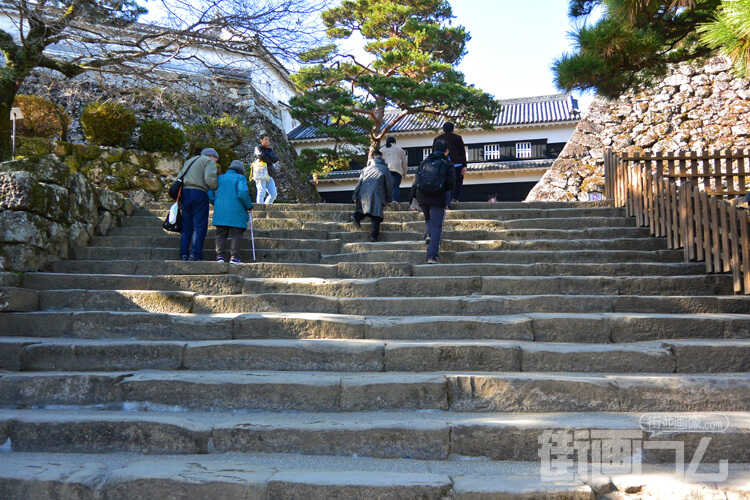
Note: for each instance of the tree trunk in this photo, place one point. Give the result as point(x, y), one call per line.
point(378, 116)
point(8, 90)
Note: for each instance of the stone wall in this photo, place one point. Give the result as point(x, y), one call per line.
point(45, 210)
point(696, 107)
point(181, 102)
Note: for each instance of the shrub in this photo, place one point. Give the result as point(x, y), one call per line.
point(41, 118)
point(107, 123)
point(158, 136)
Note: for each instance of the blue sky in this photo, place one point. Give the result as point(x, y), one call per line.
point(513, 44)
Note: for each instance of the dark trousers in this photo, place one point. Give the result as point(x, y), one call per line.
point(235, 238)
point(459, 183)
point(396, 186)
point(194, 223)
point(374, 223)
point(433, 216)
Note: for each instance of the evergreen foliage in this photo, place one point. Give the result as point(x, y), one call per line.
point(223, 134)
point(107, 123)
point(160, 136)
point(411, 49)
point(729, 34)
point(633, 42)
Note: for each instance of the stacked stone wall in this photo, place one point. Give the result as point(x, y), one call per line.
point(183, 102)
point(696, 107)
point(46, 209)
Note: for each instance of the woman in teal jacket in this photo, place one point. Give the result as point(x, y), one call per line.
point(231, 202)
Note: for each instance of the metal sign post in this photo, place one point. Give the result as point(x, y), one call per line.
point(15, 114)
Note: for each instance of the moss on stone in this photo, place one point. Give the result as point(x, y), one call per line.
point(87, 152)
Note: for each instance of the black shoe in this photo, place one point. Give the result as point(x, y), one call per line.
point(373, 239)
point(427, 238)
point(356, 222)
point(192, 259)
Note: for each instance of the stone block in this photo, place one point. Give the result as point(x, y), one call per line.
point(406, 306)
point(205, 304)
point(394, 391)
point(476, 487)
point(50, 479)
point(286, 355)
point(76, 389)
point(10, 353)
point(435, 356)
point(611, 358)
point(271, 391)
point(106, 434)
point(18, 300)
point(532, 393)
point(302, 326)
point(641, 327)
point(441, 327)
point(408, 439)
point(579, 328)
point(102, 356)
point(684, 393)
point(301, 485)
point(146, 480)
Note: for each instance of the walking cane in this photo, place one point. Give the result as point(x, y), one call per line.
point(252, 236)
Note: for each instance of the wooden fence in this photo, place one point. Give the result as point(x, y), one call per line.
point(685, 198)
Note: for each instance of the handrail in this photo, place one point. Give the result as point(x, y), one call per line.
point(680, 197)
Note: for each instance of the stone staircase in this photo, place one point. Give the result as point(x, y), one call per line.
point(339, 368)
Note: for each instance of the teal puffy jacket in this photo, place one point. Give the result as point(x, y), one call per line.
point(231, 200)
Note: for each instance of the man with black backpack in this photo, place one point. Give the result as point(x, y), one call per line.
point(435, 177)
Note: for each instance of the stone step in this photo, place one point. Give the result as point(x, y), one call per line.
point(447, 245)
point(366, 270)
point(596, 328)
point(362, 244)
point(471, 205)
point(190, 302)
point(388, 225)
point(115, 476)
point(528, 392)
point(117, 234)
point(520, 256)
point(308, 256)
point(229, 284)
point(439, 436)
point(677, 356)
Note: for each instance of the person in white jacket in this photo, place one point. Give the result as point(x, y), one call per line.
point(395, 158)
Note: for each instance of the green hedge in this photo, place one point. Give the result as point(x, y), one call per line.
point(158, 136)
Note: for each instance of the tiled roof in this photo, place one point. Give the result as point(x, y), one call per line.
point(340, 175)
point(526, 111)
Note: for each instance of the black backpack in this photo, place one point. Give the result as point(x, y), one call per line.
point(432, 175)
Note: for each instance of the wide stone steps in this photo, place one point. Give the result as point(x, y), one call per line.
point(677, 356)
point(229, 284)
point(417, 436)
point(528, 392)
point(367, 270)
point(598, 328)
point(115, 476)
point(339, 368)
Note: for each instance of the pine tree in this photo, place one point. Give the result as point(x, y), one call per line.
point(633, 42)
point(729, 34)
point(411, 52)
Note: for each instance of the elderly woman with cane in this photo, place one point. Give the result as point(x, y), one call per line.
point(232, 203)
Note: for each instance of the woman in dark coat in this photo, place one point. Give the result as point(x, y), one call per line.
point(373, 191)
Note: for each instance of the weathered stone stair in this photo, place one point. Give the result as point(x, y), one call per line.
point(339, 368)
